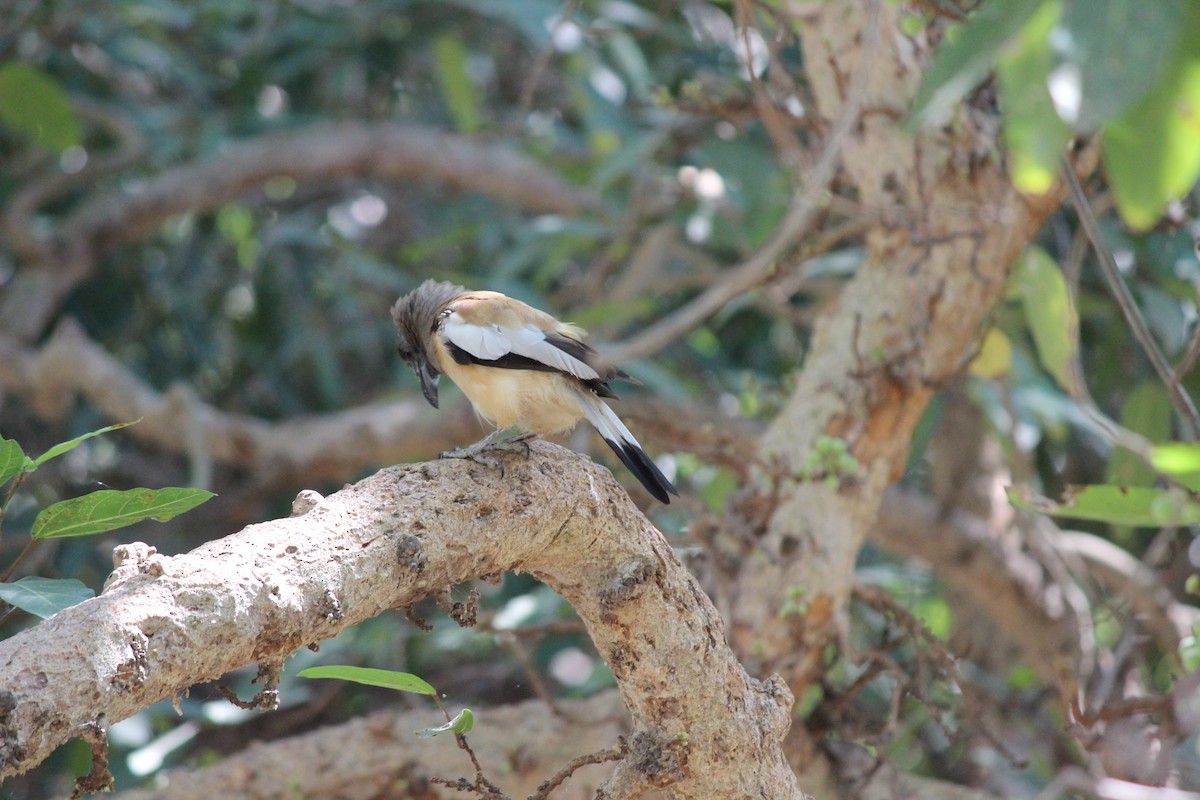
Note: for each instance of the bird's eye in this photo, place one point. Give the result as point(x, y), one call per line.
point(405, 353)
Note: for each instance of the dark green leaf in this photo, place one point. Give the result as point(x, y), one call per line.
point(388, 679)
point(12, 460)
point(107, 510)
point(1049, 311)
point(965, 59)
point(1152, 151)
point(1119, 48)
point(35, 104)
point(462, 722)
point(1117, 505)
point(44, 596)
point(1034, 134)
point(63, 447)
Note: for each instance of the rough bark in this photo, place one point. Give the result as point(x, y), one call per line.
point(702, 727)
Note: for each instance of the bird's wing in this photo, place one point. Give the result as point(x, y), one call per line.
point(493, 342)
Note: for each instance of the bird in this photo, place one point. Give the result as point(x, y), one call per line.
point(519, 366)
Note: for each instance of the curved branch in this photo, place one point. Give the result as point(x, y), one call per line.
point(702, 726)
point(309, 449)
point(365, 757)
point(380, 151)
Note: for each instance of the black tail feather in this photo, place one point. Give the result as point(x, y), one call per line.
point(644, 469)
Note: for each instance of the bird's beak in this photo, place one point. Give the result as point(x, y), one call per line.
point(429, 383)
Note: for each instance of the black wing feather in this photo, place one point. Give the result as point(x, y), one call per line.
point(515, 361)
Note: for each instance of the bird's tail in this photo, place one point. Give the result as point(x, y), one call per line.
point(618, 437)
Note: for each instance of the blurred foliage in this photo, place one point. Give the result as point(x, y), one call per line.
point(277, 305)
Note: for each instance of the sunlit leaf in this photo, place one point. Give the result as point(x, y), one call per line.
point(386, 678)
point(12, 459)
point(108, 509)
point(1049, 312)
point(1119, 505)
point(1119, 48)
point(44, 596)
point(462, 722)
point(1152, 151)
point(1180, 460)
point(964, 60)
point(64, 447)
point(1034, 134)
point(35, 104)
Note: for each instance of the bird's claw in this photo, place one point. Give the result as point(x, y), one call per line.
point(474, 452)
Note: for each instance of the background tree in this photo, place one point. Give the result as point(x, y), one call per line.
point(831, 242)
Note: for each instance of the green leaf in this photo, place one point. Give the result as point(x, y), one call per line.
point(1117, 505)
point(388, 679)
point(1034, 134)
point(1180, 460)
point(458, 91)
point(12, 460)
point(1152, 152)
point(964, 60)
point(1147, 411)
point(1119, 48)
point(35, 104)
point(44, 596)
point(63, 447)
point(462, 722)
point(1049, 312)
point(107, 510)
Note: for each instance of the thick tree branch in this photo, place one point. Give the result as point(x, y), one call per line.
point(377, 151)
point(519, 745)
point(702, 726)
point(308, 449)
point(904, 326)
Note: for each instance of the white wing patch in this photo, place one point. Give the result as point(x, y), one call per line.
point(490, 342)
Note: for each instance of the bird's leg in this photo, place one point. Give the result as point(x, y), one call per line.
point(473, 451)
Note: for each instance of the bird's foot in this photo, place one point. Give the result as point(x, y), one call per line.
point(475, 451)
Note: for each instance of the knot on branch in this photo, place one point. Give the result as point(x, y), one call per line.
point(131, 560)
point(305, 502)
point(660, 759)
point(628, 583)
point(775, 708)
point(131, 673)
point(11, 750)
point(411, 553)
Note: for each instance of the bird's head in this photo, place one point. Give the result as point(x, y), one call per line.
point(416, 318)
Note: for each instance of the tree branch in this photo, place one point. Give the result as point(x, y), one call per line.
point(702, 727)
point(378, 151)
point(308, 449)
point(367, 756)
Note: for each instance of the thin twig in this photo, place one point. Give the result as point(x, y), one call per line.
point(1133, 316)
point(600, 757)
point(800, 216)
